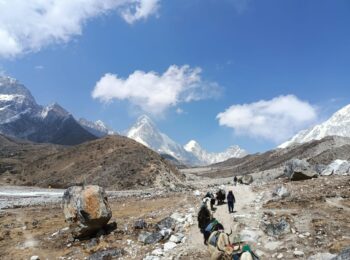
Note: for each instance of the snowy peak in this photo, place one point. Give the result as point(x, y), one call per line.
point(337, 125)
point(97, 128)
point(207, 158)
point(54, 110)
point(10, 88)
point(22, 117)
point(146, 132)
point(15, 100)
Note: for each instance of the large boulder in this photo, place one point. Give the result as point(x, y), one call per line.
point(298, 170)
point(337, 167)
point(86, 210)
point(300, 175)
point(247, 179)
point(293, 164)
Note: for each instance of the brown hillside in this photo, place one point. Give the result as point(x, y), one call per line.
point(114, 162)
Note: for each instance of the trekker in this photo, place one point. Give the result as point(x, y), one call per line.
point(230, 201)
point(235, 180)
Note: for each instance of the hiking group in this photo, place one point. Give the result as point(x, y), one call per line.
point(215, 238)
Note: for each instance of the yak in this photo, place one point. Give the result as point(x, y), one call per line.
point(219, 245)
point(220, 196)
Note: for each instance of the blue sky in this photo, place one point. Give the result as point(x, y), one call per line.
point(294, 54)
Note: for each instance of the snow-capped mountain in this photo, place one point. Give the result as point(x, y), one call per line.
point(146, 132)
point(209, 158)
point(338, 124)
point(22, 117)
point(97, 128)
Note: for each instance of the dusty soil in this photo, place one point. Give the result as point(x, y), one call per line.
point(31, 231)
point(317, 211)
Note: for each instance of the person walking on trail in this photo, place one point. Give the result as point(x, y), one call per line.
point(235, 180)
point(230, 201)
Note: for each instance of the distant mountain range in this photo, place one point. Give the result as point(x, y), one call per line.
point(337, 125)
point(22, 117)
point(146, 132)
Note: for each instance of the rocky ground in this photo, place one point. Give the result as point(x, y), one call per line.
point(279, 219)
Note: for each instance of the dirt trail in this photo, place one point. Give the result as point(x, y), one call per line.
point(243, 207)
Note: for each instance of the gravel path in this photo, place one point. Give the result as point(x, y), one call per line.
point(244, 198)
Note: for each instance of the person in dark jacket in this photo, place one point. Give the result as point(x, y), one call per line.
point(230, 201)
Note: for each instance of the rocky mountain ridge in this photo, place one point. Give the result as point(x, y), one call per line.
point(337, 125)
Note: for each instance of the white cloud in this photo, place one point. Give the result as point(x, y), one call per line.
point(29, 25)
point(276, 119)
point(154, 93)
point(144, 8)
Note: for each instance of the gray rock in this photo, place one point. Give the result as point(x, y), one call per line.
point(177, 238)
point(140, 224)
point(247, 179)
point(300, 175)
point(293, 164)
point(277, 228)
point(107, 254)
point(166, 223)
point(337, 167)
point(35, 257)
point(86, 210)
point(169, 246)
point(322, 256)
point(150, 238)
point(298, 253)
point(281, 192)
point(166, 233)
point(344, 255)
point(319, 168)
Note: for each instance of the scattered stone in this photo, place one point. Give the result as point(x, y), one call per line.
point(86, 209)
point(166, 233)
point(280, 256)
point(158, 252)
point(150, 238)
point(197, 193)
point(322, 256)
point(169, 246)
point(166, 223)
point(247, 179)
point(140, 224)
point(276, 228)
point(35, 257)
point(176, 238)
point(281, 192)
point(298, 253)
point(107, 254)
point(178, 217)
